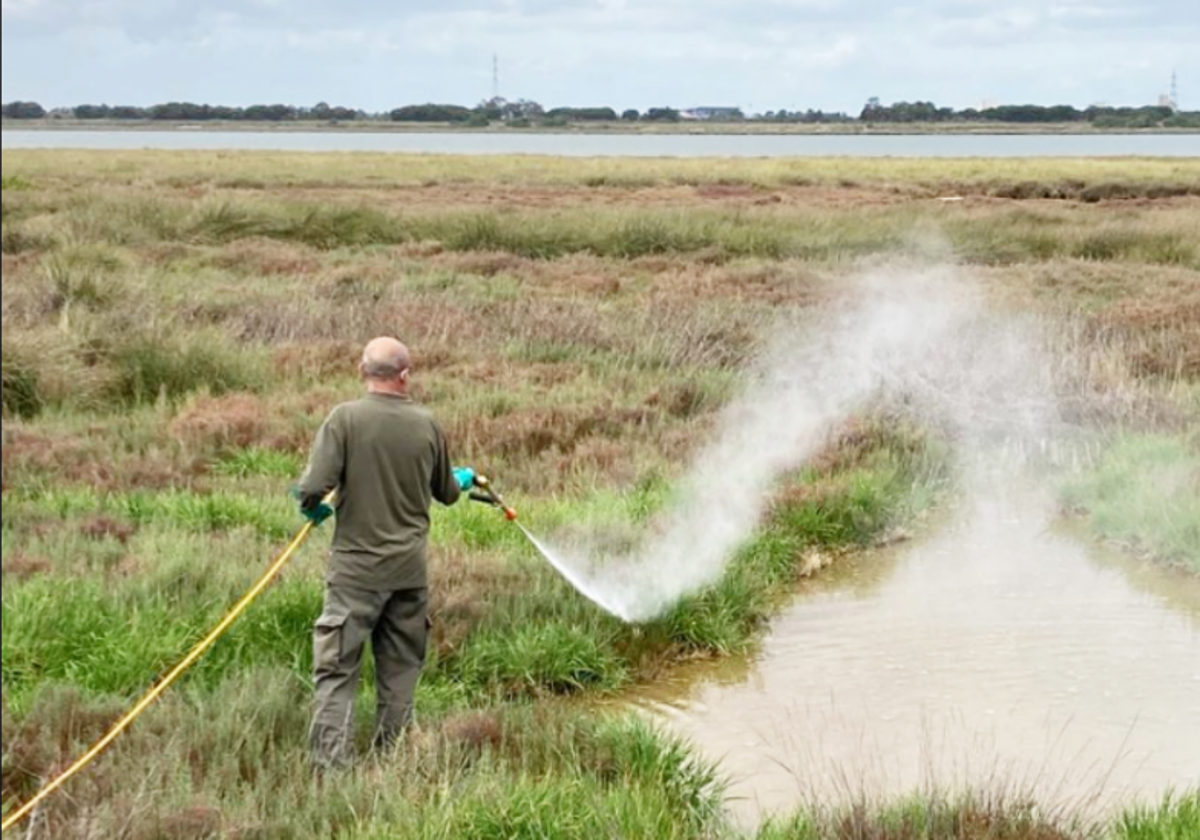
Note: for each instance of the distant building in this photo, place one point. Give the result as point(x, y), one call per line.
point(711, 113)
point(1165, 101)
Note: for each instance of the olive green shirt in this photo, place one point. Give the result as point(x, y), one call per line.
point(388, 459)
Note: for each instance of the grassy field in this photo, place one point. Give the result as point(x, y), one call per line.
point(903, 177)
point(175, 327)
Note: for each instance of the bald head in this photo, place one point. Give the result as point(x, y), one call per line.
point(385, 359)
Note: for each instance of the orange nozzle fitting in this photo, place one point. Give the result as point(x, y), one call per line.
point(484, 484)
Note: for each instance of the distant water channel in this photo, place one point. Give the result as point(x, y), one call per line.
point(625, 145)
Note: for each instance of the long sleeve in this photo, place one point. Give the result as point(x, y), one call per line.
point(326, 463)
point(445, 488)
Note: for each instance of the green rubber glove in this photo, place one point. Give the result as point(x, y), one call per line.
point(317, 514)
point(314, 513)
point(465, 476)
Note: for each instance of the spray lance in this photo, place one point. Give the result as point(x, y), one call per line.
point(484, 492)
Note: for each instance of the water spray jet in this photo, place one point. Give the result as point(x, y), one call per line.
point(919, 337)
point(487, 494)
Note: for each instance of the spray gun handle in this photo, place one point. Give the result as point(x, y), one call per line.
point(482, 490)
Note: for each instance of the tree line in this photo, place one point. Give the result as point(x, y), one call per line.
point(1101, 116)
point(185, 112)
point(523, 113)
point(492, 110)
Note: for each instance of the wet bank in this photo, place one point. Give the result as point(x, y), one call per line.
point(1002, 652)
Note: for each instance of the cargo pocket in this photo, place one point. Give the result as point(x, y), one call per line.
point(327, 642)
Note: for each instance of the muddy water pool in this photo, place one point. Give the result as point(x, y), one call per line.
point(999, 652)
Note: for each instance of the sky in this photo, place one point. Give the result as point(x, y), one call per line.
point(758, 55)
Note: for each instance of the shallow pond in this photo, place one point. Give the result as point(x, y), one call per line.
point(1000, 652)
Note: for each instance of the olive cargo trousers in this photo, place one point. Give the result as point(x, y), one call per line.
point(396, 622)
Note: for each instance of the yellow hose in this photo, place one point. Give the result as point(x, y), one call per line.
point(152, 695)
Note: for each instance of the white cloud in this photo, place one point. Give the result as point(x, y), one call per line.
point(772, 53)
point(19, 8)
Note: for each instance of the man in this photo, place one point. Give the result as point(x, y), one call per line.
point(387, 458)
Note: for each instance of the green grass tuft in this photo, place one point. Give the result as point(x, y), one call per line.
point(1144, 492)
point(552, 657)
point(268, 463)
point(172, 366)
point(19, 392)
point(1176, 818)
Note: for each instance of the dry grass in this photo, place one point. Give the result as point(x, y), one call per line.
point(254, 171)
point(970, 816)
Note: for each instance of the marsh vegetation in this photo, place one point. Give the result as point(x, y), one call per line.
point(175, 326)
